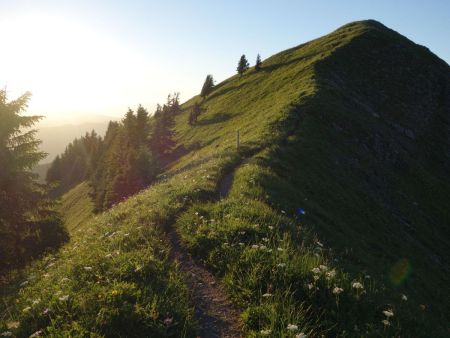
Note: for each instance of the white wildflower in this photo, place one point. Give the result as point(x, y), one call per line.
point(300, 335)
point(281, 265)
point(310, 286)
point(316, 270)
point(262, 247)
point(337, 290)
point(319, 244)
point(28, 308)
point(241, 244)
point(270, 227)
point(64, 298)
point(255, 246)
point(36, 334)
point(265, 332)
point(24, 283)
point(404, 298)
point(331, 274)
point(280, 249)
point(323, 267)
point(88, 268)
point(6, 334)
point(292, 327)
point(36, 301)
point(385, 322)
point(316, 278)
point(265, 239)
point(267, 295)
point(357, 285)
point(388, 313)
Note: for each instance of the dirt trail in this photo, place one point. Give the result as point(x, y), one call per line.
point(214, 312)
point(227, 181)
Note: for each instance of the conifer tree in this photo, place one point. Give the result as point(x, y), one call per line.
point(258, 63)
point(28, 223)
point(243, 65)
point(207, 86)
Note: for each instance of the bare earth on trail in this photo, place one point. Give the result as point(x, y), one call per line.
point(214, 312)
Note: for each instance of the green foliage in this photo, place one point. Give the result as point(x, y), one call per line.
point(29, 225)
point(243, 65)
point(207, 86)
point(76, 164)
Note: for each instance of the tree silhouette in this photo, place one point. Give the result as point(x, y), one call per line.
point(243, 65)
point(258, 63)
point(207, 86)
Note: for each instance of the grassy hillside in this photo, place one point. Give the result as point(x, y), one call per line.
point(76, 207)
point(335, 220)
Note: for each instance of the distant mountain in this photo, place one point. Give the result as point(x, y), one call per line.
point(55, 139)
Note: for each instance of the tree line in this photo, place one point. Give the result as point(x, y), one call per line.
point(123, 162)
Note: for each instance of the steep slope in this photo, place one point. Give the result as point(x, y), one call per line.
point(335, 222)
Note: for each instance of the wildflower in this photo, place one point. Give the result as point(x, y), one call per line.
point(241, 232)
point(300, 335)
point(262, 247)
point(265, 239)
point(88, 268)
point(64, 298)
point(46, 311)
point(267, 295)
point(388, 313)
point(316, 278)
point(331, 274)
point(310, 286)
point(319, 244)
point(265, 332)
point(12, 325)
point(6, 334)
point(270, 227)
point(114, 292)
point(323, 267)
point(337, 290)
point(36, 301)
point(36, 334)
point(404, 298)
point(65, 279)
point(28, 308)
point(255, 246)
point(316, 270)
point(292, 327)
point(357, 285)
point(283, 212)
point(126, 235)
point(108, 255)
point(385, 322)
point(241, 244)
point(280, 249)
point(281, 265)
point(24, 283)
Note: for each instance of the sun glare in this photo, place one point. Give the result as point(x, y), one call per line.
point(68, 66)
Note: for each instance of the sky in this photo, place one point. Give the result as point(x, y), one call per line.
point(83, 59)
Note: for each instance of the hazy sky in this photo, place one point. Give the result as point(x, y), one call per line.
point(101, 57)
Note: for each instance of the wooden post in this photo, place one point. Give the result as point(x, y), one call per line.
point(237, 139)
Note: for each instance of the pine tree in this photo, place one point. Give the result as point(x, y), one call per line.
point(258, 63)
point(207, 86)
point(243, 65)
point(26, 214)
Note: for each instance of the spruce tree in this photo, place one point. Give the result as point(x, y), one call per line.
point(207, 86)
point(28, 223)
point(243, 65)
point(258, 63)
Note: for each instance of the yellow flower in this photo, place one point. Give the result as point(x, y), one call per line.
point(114, 292)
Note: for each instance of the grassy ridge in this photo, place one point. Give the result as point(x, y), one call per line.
point(304, 134)
point(77, 206)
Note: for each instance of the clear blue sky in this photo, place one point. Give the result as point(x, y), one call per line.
point(176, 43)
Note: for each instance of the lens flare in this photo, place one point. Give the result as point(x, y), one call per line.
point(400, 272)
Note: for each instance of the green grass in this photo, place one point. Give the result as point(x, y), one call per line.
point(321, 125)
point(76, 207)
